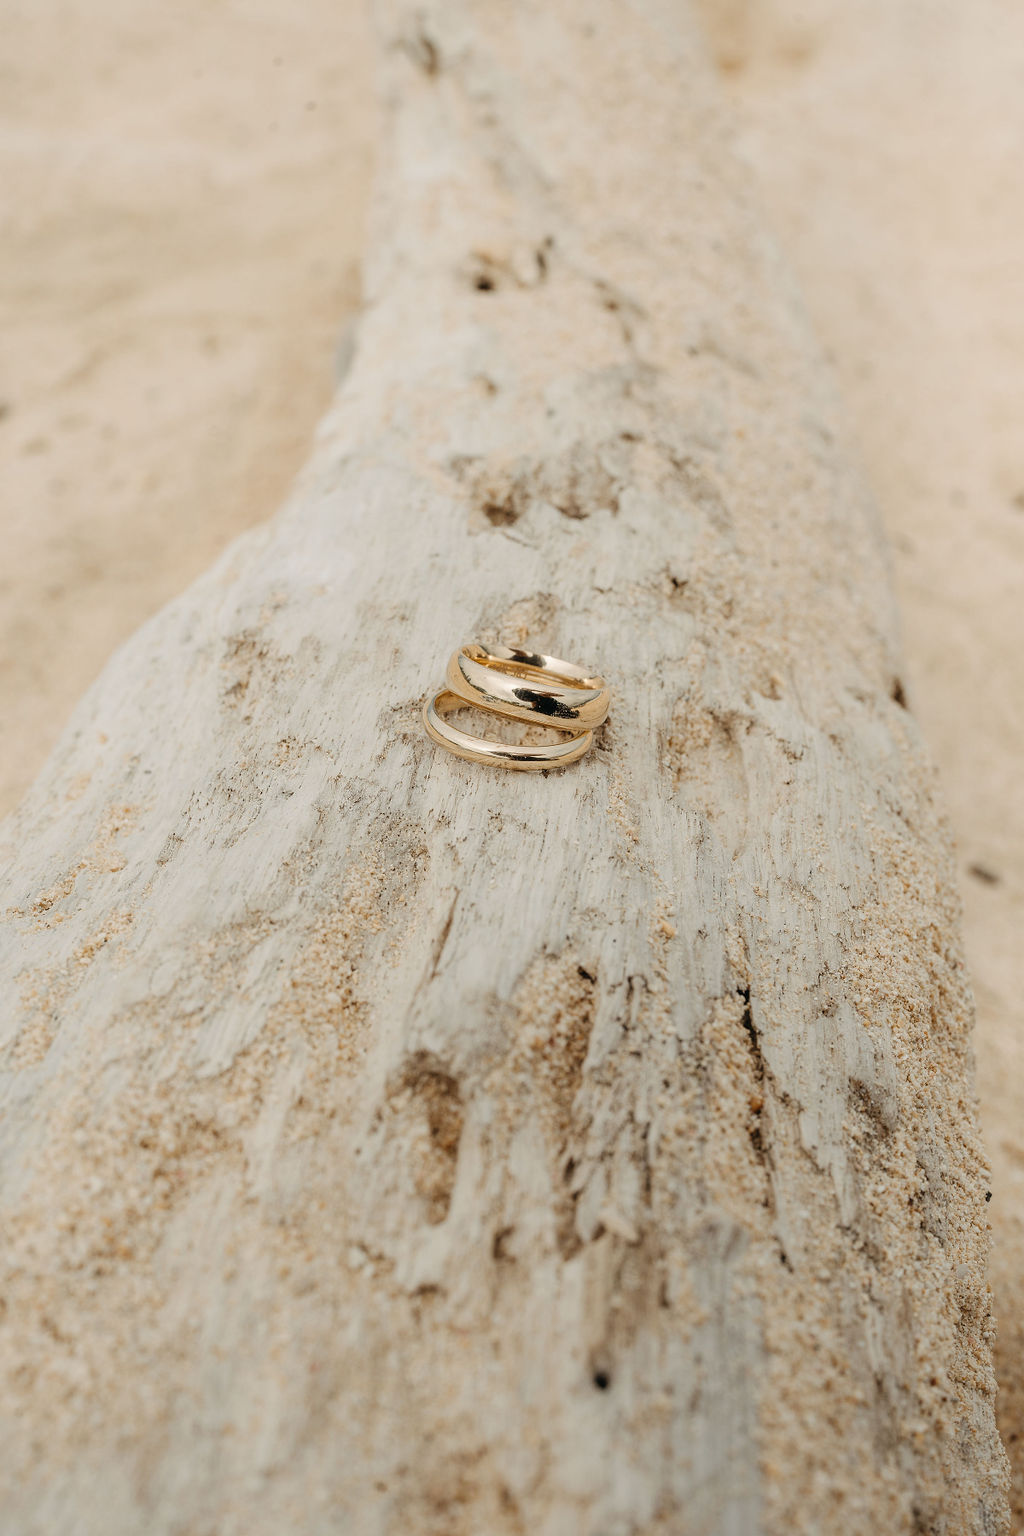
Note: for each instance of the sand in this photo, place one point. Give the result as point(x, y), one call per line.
point(889, 142)
point(183, 203)
point(183, 208)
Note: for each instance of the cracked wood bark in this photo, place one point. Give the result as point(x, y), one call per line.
point(392, 1145)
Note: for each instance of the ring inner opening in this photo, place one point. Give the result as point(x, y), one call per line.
point(488, 726)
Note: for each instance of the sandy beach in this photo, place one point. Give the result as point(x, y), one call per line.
point(887, 141)
point(183, 209)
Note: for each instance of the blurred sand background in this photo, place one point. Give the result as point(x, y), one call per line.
point(182, 208)
point(182, 199)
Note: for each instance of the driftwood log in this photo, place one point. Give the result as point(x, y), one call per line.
point(391, 1145)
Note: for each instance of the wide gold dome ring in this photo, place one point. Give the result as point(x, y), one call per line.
point(519, 685)
point(528, 686)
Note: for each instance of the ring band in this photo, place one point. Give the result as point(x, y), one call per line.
point(474, 749)
point(528, 686)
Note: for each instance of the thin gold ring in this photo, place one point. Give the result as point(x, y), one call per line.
point(474, 749)
point(528, 686)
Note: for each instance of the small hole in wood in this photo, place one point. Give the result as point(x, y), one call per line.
point(500, 514)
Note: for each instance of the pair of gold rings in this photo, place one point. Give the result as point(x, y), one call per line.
point(520, 685)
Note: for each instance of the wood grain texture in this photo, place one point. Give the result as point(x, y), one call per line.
point(393, 1145)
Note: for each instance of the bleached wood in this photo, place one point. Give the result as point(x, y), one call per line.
point(392, 1145)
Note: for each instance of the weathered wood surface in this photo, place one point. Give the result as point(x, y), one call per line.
point(393, 1145)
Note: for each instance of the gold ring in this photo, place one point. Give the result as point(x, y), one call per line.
point(476, 750)
point(528, 686)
